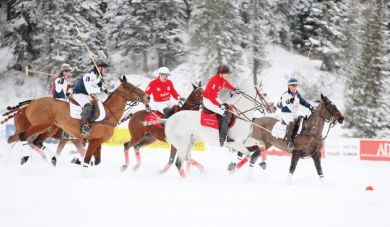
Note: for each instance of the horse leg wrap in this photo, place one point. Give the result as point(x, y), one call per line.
point(166, 168)
point(197, 165)
point(138, 157)
point(242, 162)
point(182, 173)
point(40, 152)
point(127, 158)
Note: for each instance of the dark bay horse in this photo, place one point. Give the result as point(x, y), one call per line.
point(142, 135)
point(44, 112)
point(309, 142)
point(21, 123)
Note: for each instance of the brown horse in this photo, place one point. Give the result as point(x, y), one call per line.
point(44, 112)
point(309, 142)
point(21, 123)
point(142, 135)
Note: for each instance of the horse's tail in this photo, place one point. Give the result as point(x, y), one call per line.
point(12, 109)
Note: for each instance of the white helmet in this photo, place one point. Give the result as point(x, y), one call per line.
point(65, 67)
point(164, 71)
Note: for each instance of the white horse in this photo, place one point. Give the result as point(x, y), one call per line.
point(184, 128)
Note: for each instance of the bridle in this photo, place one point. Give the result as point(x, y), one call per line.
point(127, 96)
point(131, 90)
point(194, 105)
point(331, 120)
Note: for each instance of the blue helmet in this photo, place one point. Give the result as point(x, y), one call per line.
point(292, 81)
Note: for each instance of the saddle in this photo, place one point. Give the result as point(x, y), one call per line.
point(280, 128)
point(153, 117)
point(210, 119)
point(98, 111)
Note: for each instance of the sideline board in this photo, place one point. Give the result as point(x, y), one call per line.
point(372, 149)
point(122, 135)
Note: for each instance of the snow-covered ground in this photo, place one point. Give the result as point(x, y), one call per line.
point(39, 195)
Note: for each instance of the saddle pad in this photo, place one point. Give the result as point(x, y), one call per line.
point(75, 111)
point(279, 130)
point(151, 119)
point(211, 120)
point(208, 120)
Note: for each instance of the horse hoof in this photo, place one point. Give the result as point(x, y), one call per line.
point(123, 168)
point(24, 160)
point(54, 161)
point(76, 161)
point(263, 165)
point(231, 167)
point(12, 139)
point(136, 167)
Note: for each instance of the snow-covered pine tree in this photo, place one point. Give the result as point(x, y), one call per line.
point(325, 22)
point(58, 39)
point(216, 36)
point(255, 37)
point(385, 132)
point(365, 106)
point(169, 24)
point(150, 30)
point(18, 32)
point(42, 35)
point(284, 25)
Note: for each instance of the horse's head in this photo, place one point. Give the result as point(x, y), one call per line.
point(194, 100)
point(330, 111)
point(131, 92)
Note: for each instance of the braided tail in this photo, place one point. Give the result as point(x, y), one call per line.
point(12, 109)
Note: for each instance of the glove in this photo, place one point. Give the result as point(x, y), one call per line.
point(237, 91)
point(148, 109)
point(290, 101)
point(223, 108)
point(311, 108)
point(181, 101)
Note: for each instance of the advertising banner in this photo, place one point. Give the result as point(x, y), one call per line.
point(378, 150)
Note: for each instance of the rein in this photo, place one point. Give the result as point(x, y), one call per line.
point(241, 114)
point(126, 97)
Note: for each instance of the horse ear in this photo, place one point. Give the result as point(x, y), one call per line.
point(123, 78)
point(200, 84)
point(322, 97)
point(194, 86)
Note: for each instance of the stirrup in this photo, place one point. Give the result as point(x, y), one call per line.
point(85, 130)
point(221, 141)
point(290, 146)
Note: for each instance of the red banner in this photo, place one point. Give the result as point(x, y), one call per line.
point(378, 150)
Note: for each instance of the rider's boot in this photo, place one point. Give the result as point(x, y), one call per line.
point(85, 114)
point(167, 112)
point(223, 127)
point(289, 135)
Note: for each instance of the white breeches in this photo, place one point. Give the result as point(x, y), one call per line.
point(211, 106)
point(82, 99)
point(288, 117)
point(160, 106)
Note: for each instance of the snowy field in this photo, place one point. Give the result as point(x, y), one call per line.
point(37, 194)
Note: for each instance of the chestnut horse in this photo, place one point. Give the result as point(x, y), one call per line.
point(142, 135)
point(309, 142)
point(44, 112)
point(22, 123)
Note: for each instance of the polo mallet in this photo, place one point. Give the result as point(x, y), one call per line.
point(312, 43)
point(89, 51)
point(27, 71)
